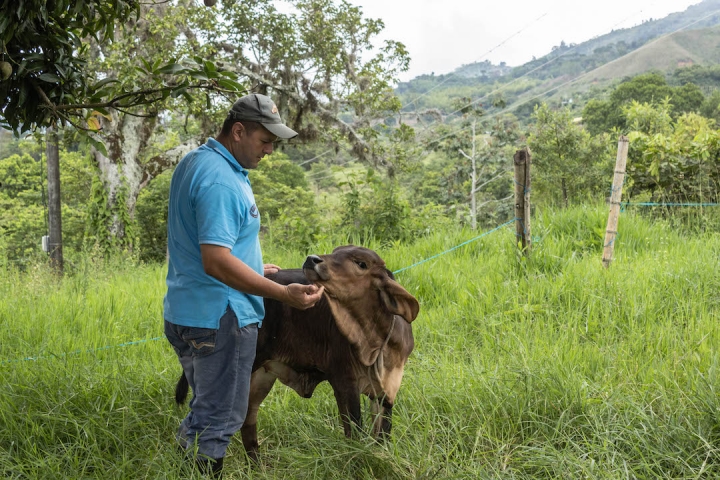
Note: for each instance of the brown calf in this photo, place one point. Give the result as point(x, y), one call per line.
point(357, 337)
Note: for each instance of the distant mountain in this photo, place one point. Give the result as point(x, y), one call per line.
point(484, 70)
point(702, 15)
point(570, 71)
point(683, 49)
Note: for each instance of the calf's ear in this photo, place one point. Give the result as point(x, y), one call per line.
point(399, 301)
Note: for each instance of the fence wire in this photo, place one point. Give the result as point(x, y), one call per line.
point(146, 340)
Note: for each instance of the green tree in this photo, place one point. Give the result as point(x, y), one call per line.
point(605, 115)
point(23, 211)
point(176, 58)
point(287, 205)
point(42, 57)
point(374, 209)
point(711, 106)
point(151, 218)
point(672, 160)
point(475, 165)
point(568, 163)
point(46, 63)
point(312, 61)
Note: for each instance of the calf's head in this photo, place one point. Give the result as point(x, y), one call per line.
point(363, 296)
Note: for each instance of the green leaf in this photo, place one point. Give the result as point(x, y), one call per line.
point(230, 84)
point(198, 76)
point(147, 65)
point(172, 69)
point(49, 77)
point(210, 66)
point(176, 92)
point(99, 146)
point(104, 82)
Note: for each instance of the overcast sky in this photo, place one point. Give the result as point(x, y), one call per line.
point(442, 35)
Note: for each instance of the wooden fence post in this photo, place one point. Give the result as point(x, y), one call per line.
point(615, 197)
point(522, 160)
point(52, 152)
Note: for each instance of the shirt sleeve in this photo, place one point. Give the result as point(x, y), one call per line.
point(220, 214)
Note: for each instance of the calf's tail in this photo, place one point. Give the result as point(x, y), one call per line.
point(181, 389)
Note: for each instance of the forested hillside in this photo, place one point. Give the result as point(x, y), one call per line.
point(569, 71)
point(393, 178)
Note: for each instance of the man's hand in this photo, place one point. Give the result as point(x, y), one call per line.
point(302, 296)
point(269, 268)
point(221, 264)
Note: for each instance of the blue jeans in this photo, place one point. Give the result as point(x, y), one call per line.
point(217, 364)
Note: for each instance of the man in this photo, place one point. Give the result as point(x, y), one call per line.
point(215, 280)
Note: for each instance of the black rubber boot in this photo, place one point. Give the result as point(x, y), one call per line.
point(210, 466)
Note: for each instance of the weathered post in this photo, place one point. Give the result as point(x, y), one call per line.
point(54, 216)
point(522, 161)
point(615, 197)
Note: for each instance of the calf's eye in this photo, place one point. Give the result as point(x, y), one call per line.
point(362, 265)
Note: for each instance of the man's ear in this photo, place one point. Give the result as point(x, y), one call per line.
point(238, 130)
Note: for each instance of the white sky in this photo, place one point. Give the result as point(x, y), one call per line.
point(442, 35)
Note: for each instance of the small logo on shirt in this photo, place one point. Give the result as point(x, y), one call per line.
point(254, 211)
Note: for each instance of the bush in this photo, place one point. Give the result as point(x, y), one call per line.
point(287, 207)
point(151, 211)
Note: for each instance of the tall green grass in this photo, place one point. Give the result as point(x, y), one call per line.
point(543, 367)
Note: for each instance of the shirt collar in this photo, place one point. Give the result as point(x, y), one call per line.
point(220, 148)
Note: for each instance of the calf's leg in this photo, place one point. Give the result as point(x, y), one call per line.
point(382, 417)
point(261, 383)
point(347, 397)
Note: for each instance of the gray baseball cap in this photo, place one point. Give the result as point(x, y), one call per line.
point(259, 108)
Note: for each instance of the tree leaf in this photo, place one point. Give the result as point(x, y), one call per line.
point(93, 124)
point(199, 76)
point(99, 146)
point(176, 92)
point(230, 84)
point(104, 82)
point(49, 77)
point(172, 69)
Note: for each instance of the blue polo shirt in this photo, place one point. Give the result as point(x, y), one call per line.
point(211, 202)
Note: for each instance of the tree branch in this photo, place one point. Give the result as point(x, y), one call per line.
point(495, 200)
point(115, 102)
point(361, 148)
point(159, 163)
point(491, 180)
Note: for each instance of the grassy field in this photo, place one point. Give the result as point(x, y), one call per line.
point(548, 367)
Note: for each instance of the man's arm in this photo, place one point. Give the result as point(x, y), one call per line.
point(220, 263)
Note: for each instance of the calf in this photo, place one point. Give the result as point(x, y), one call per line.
point(357, 337)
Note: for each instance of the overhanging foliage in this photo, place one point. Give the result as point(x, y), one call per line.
point(42, 42)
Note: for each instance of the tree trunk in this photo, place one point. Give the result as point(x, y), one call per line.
point(122, 172)
point(54, 205)
point(564, 192)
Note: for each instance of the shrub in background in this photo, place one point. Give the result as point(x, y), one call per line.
point(290, 217)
